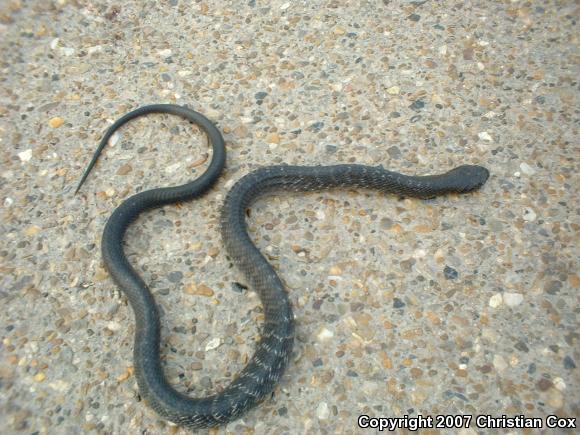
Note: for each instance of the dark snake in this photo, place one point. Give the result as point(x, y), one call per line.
point(272, 353)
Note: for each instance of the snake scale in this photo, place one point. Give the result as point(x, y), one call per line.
point(273, 350)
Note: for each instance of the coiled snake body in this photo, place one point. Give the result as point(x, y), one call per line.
point(273, 350)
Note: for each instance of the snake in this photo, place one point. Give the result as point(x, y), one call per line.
point(272, 354)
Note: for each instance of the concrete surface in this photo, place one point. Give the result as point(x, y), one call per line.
point(457, 305)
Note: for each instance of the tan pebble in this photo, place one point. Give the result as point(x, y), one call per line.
point(6, 372)
point(422, 228)
point(362, 319)
point(416, 372)
point(274, 138)
point(241, 131)
point(125, 169)
point(195, 246)
point(412, 334)
point(385, 360)
point(213, 251)
point(574, 280)
point(418, 397)
point(407, 362)
point(338, 30)
point(199, 161)
point(56, 122)
point(100, 274)
point(433, 318)
point(13, 359)
point(124, 376)
point(200, 290)
point(32, 230)
point(397, 229)
point(388, 325)
point(39, 377)
point(335, 270)
point(555, 398)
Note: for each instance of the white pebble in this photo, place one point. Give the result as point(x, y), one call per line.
point(67, 51)
point(320, 215)
point(25, 156)
point(559, 384)
point(322, 412)
point(512, 299)
point(95, 49)
point(529, 215)
point(213, 344)
point(54, 43)
point(285, 6)
point(8, 202)
point(499, 363)
point(114, 326)
point(484, 135)
point(527, 169)
point(59, 385)
point(496, 300)
point(324, 334)
point(172, 168)
point(164, 53)
point(114, 139)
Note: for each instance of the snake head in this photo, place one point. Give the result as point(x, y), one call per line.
point(466, 178)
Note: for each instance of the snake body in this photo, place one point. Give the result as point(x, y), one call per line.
point(272, 354)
